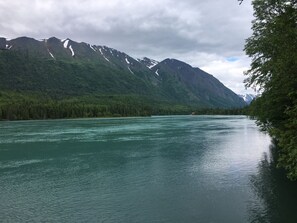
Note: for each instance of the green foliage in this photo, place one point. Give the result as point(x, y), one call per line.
point(273, 49)
point(24, 105)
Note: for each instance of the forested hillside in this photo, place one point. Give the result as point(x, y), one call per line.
point(55, 78)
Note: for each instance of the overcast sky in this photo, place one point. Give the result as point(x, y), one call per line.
point(209, 34)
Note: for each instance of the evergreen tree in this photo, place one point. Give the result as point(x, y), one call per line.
point(273, 49)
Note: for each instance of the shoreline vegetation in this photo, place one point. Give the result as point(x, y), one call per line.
point(20, 106)
point(273, 51)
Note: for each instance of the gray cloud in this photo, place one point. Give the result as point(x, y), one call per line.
point(196, 31)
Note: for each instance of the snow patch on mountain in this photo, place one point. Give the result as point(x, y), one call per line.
point(130, 70)
point(149, 63)
point(248, 98)
point(8, 47)
point(153, 63)
point(157, 72)
point(127, 61)
point(92, 47)
point(72, 52)
point(103, 54)
point(66, 43)
point(51, 54)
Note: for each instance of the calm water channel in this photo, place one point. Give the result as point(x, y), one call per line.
point(156, 169)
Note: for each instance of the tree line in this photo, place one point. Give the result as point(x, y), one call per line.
point(23, 105)
point(273, 50)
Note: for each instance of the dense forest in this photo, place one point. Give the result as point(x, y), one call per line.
point(26, 106)
point(273, 50)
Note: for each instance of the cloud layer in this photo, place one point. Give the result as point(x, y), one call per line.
point(205, 34)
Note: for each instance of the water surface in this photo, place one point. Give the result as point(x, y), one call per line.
point(157, 169)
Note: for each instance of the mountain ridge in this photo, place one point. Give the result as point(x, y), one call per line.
point(63, 68)
point(248, 98)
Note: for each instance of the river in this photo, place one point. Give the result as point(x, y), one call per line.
point(152, 169)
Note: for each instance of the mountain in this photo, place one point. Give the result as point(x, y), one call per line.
point(149, 63)
point(189, 84)
point(248, 98)
point(65, 69)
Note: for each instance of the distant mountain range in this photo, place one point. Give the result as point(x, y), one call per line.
point(65, 68)
point(248, 98)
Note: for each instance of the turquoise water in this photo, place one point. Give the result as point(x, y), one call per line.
point(155, 169)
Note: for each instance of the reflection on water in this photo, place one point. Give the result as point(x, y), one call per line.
point(277, 195)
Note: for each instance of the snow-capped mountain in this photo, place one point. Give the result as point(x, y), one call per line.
point(149, 63)
point(248, 98)
point(67, 49)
